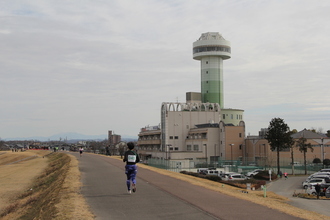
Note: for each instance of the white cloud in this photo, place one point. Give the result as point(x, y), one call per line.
point(93, 66)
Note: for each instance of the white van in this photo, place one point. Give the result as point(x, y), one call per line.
point(213, 172)
point(202, 170)
point(209, 171)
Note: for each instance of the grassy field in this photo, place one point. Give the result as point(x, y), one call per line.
point(45, 185)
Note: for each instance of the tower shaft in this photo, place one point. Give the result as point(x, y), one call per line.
point(211, 49)
point(212, 80)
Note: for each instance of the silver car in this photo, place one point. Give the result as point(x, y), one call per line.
point(253, 173)
point(327, 192)
point(313, 182)
point(236, 176)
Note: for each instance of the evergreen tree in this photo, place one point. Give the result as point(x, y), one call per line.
point(278, 137)
point(303, 147)
point(317, 160)
point(326, 162)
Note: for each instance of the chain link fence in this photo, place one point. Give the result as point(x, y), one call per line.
point(298, 168)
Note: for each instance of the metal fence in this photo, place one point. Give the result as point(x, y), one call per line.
point(235, 166)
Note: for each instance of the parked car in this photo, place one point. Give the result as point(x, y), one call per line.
point(311, 189)
point(313, 182)
point(209, 171)
point(327, 192)
point(325, 170)
point(225, 176)
point(253, 173)
point(326, 177)
point(236, 176)
point(321, 173)
point(212, 172)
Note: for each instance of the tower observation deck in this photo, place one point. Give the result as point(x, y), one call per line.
point(211, 49)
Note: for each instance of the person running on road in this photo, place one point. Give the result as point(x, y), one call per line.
point(131, 158)
point(286, 175)
point(81, 151)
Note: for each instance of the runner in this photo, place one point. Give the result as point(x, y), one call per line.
point(131, 158)
point(285, 175)
point(81, 151)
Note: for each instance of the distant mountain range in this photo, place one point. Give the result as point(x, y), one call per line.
point(70, 137)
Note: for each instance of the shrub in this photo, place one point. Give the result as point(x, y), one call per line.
point(264, 175)
point(213, 178)
point(236, 183)
point(326, 162)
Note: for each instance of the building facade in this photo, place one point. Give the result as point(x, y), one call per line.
point(113, 139)
point(193, 132)
point(258, 151)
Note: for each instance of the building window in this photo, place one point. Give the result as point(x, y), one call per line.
point(188, 147)
point(240, 147)
point(231, 116)
point(223, 116)
point(176, 148)
point(207, 62)
point(171, 137)
point(207, 72)
point(176, 137)
point(195, 147)
point(240, 135)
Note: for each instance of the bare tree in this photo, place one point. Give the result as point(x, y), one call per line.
point(121, 148)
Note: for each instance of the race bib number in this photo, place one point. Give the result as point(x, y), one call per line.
point(131, 158)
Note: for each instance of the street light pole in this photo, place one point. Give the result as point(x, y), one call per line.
point(322, 149)
point(167, 150)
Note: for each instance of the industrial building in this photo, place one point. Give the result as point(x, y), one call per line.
point(201, 130)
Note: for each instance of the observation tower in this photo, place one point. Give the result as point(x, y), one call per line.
point(211, 49)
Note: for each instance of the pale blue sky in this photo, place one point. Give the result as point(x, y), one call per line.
point(91, 66)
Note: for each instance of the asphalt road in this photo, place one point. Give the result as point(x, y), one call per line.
point(158, 196)
point(294, 184)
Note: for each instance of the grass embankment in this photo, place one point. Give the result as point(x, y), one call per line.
point(53, 194)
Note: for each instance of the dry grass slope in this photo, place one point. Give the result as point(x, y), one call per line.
point(49, 195)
